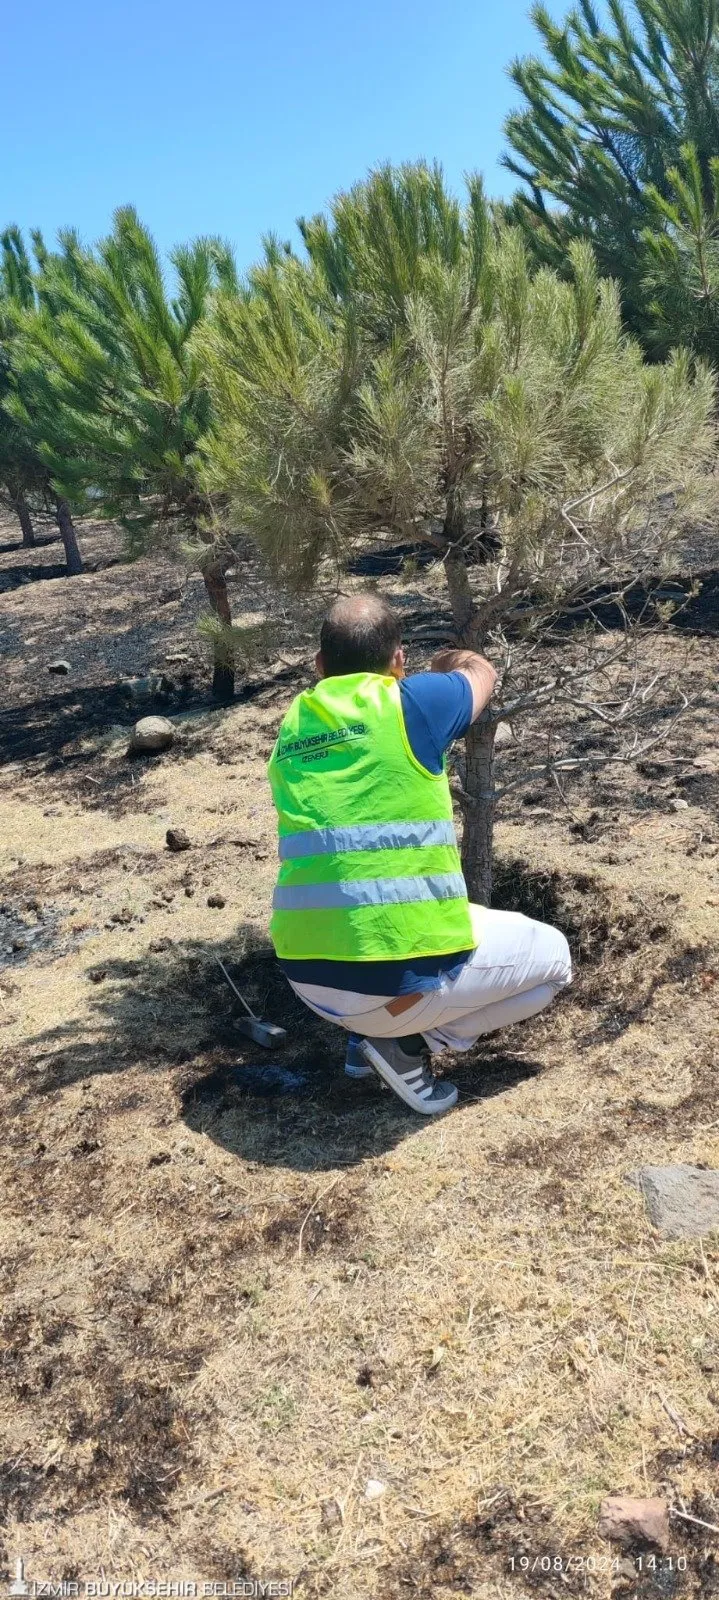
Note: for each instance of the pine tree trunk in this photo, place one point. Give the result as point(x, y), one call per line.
point(66, 525)
point(223, 677)
point(479, 812)
point(22, 512)
point(479, 740)
point(460, 599)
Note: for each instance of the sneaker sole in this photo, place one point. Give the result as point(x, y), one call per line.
point(357, 1072)
point(399, 1087)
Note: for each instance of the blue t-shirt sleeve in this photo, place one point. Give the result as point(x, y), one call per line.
point(437, 708)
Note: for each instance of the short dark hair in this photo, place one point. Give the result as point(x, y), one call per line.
point(359, 634)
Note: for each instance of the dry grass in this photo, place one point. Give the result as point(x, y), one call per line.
point(223, 1312)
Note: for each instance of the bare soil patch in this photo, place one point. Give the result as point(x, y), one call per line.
point(231, 1297)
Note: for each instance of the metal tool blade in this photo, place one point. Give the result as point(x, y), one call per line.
point(264, 1033)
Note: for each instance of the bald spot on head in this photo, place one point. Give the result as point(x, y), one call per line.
point(359, 634)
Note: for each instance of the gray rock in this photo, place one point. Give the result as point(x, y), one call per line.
point(151, 734)
point(683, 1201)
point(678, 805)
point(60, 668)
point(504, 735)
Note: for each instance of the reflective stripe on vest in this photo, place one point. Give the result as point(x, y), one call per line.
point(366, 836)
point(369, 892)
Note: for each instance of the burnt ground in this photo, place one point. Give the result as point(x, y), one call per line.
point(236, 1287)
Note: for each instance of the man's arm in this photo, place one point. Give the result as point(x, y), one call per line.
point(480, 674)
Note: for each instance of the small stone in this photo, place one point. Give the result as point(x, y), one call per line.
point(624, 1520)
point(504, 735)
point(217, 901)
point(679, 805)
point(177, 839)
point(60, 668)
point(374, 1489)
point(683, 1201)
point(150, 735)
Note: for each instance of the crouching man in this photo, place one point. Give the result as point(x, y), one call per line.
point(371, 921)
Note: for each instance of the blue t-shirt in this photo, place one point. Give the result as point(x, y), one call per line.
point(437, 709)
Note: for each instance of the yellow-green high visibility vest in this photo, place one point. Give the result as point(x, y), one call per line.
point(369, 866)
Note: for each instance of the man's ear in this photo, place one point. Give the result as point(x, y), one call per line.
point(319, 664)
point(398, 663)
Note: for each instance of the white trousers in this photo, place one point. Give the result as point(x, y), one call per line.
point(516, 970)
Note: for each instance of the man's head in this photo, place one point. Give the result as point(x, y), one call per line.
point(360, 633)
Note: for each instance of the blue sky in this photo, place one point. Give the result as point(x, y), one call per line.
point(235, 118)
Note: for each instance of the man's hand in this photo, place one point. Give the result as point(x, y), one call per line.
point(480, 674)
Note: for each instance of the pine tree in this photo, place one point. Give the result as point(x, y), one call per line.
point(110, 375)
point(417, 378)
point(23, 476)
point(680, 261)
point(608, 108)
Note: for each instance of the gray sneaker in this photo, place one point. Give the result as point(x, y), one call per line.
point(355, 1064)
point(409, 1077)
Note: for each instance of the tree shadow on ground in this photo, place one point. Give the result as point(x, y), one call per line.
point(171, 1010)
point(16, 545)
point(44, 728)
point(33, 572)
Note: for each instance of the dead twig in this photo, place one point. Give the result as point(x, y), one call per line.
point(686, 1516)
point(308, 1214)
point(629, 1318)
point(204, 1499)
point(564, 800)
point(673, 1415)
